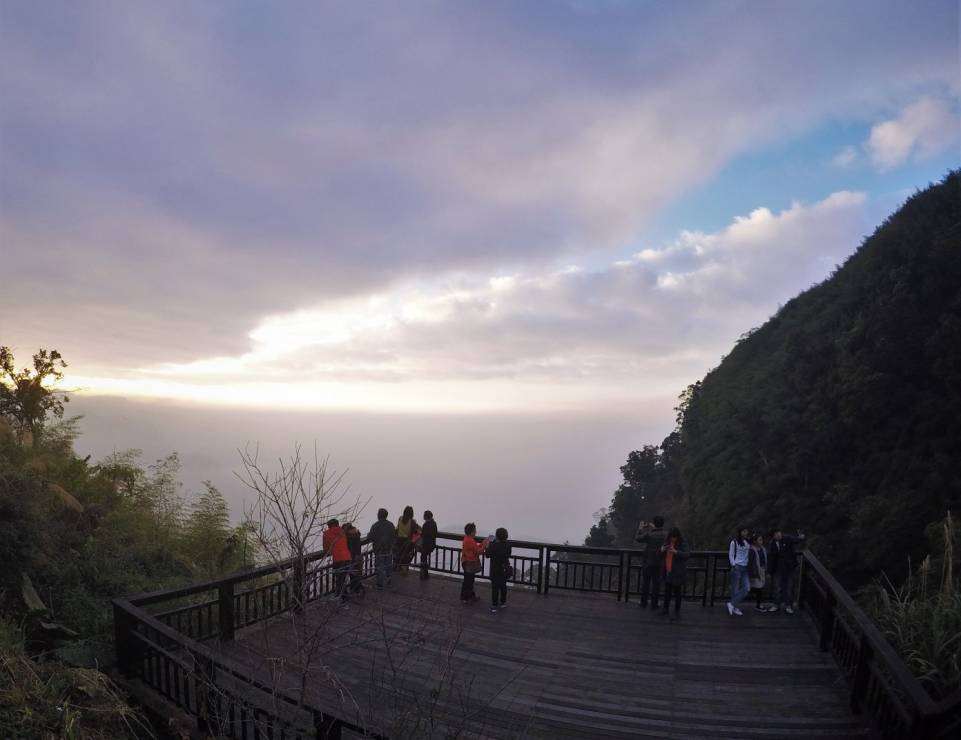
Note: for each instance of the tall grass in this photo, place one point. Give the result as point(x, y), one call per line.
point(921, 618)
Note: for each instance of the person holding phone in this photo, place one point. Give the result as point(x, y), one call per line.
point(652, 535)
point(674, 555)
point(470, 558)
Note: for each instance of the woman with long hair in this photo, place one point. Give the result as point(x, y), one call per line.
point(738, 553)
point(407, 527)
point(757, 569)
point(499, 555)
point(673, 556)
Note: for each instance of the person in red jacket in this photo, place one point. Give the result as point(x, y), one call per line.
point(470, 558)
point(335, 543)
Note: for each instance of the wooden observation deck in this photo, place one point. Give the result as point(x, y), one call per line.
point(572, 656)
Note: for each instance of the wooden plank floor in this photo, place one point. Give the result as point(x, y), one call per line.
point(411, 661)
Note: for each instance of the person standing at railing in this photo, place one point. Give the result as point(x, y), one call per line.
point(335, 543)
point(428, 541)
point(499, 555)
point(738, 554)
point(757, 569)
point(382, 537)
point(652, 534)
point(356, 585)
point(470, 558)
point(673, 557)
point(782, 561)
point(407, 530)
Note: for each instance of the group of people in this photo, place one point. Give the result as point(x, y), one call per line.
point(667, 553)
point(395, 546)
point(752, 565)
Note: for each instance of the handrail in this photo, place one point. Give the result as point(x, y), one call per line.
point(879, 679)
point(881, 647)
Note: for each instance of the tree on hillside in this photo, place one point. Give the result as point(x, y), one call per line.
point(26, 395)
point(631, 503)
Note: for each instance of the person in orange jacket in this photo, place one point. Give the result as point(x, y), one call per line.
point(335, 543)
point(470, 557)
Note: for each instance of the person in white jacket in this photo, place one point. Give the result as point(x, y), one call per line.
point(738, 553)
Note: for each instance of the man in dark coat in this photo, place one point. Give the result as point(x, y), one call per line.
point(782, 565)
point(382, 536)
point(651, 534)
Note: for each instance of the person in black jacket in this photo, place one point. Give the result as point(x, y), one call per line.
point(674, 555)
point(382, 537)
point(357, 559)
point(428, 541)
point(499, 555)
point(652, 535)
point(782, 564)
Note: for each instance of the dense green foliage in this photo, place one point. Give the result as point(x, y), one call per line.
point(73, 535)
point(922, 616)
point(841, 415)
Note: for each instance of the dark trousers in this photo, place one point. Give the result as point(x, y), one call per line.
point(672, 590)
point(498, 592)
point(650, 585)
point(785, 586)
point(757, 593)
point(356, 584)
point(467, 587)
point(341, 569)
point(425, 561)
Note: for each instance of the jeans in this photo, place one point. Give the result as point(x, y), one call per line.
point(383, 562)
point(650, 585)
point(785, 586)
point(498, 592)
point(467, 587)
point(740, 584)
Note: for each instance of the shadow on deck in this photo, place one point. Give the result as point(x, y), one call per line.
point(411, 661)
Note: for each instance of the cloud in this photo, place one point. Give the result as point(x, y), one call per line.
point(847, 156)
point(532, 339)
point(171, 175)
point(921, 130)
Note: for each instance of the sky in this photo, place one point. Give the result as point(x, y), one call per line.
point(524, 224)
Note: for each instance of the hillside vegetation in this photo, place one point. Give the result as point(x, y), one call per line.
point(841, 415)
point(74, 534)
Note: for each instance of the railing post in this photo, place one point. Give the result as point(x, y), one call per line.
point(802, 583)
point(326, 727)
point(225, 609)
point(859, 682)
point(620, 577)
point(827, 620)
point(540, 570)
point(627, 576)
point(206, 695)
point(546, 570)
point(712, 574)
point(706, 579)
point(122, 624)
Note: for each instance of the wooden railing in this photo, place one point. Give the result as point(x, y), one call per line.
point(162, 637)
point(880, 683)
point(169, 650)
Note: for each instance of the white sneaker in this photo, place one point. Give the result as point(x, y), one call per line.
point(730, 608)
point(737, 612)
point(789, 610)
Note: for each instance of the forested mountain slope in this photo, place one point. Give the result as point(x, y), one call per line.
point(841, 415)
